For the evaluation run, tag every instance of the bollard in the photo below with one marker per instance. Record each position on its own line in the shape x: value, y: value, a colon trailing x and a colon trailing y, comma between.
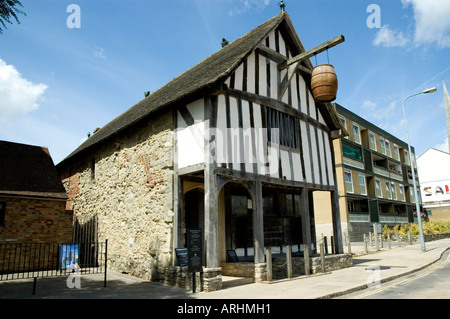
x: 389, y: 240
x: 269, y: 263
x: 332, y: 245
x: 375, y: 237
x: 365, y: 243
x: 306, y: 254
x: 322, y: 256
x: 34, y: 285
x: 289, y: 260
x: 409, y: 238
x: 398, y: 239
x: 349, y: 244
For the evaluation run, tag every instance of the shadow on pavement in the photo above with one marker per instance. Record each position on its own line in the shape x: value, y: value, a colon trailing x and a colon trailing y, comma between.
x: 91, y: 287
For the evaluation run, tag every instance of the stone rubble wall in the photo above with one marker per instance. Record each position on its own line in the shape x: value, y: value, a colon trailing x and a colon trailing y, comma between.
x: 279, y: 267
x: 332, y: 262
x: 128, y: 184
x: 209, y: 280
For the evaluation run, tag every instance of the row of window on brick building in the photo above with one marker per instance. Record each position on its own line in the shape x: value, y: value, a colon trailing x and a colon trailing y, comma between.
x: 383, y: 146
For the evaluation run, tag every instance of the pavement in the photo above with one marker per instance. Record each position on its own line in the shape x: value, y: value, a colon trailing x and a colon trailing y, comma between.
x: 368, y: 270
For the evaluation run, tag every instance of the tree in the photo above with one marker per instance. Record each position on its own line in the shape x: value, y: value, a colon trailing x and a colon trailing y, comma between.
x: 8, y: 11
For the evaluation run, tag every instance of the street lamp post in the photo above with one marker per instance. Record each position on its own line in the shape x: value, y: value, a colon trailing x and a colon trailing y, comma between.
x: 416, y: 197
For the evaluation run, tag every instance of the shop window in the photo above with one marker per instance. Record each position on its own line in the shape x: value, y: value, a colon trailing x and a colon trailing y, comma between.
x: 282, y: 218
x: 268, y: 204
x: 241, y: 222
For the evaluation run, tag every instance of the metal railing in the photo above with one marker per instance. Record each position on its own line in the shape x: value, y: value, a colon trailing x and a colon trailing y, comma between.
x: 32, y: 260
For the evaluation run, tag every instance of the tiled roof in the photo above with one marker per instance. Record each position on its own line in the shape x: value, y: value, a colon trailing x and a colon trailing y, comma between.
x: 27, y: 170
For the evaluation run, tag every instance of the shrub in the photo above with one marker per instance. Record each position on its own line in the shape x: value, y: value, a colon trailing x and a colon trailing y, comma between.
x: 429, y: 227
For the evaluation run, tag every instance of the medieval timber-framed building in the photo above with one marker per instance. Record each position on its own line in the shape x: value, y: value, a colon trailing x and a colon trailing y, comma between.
x: 235, y: 146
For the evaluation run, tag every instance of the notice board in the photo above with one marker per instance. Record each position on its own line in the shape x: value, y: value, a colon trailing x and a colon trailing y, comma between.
x: 182, y: 256
x: 195, y: 249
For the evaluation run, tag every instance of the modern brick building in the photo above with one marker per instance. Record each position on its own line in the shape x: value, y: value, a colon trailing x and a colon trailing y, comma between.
x: 32, y: 197
x: 374, y: 178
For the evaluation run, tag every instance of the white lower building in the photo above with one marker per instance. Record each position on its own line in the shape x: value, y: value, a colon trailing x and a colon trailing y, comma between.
x: 434, y: 175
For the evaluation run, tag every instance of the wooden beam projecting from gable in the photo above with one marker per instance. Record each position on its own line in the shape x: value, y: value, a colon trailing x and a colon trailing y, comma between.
x: 318, y: 49
x: 271, y: 54
x: 279, y: 58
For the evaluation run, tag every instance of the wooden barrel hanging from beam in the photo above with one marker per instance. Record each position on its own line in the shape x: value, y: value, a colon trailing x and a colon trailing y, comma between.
x: 324, y: 83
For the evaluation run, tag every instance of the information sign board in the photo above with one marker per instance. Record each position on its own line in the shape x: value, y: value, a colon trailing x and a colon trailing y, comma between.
x: 195, y: 249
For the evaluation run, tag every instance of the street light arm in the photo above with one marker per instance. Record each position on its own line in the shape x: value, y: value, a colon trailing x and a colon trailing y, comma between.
x: 411, y: 96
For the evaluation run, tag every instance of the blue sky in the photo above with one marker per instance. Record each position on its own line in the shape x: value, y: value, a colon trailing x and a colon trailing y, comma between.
x: 58, y: 83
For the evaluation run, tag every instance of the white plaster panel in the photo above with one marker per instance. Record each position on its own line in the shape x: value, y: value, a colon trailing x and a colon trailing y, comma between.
x: 306, y: 156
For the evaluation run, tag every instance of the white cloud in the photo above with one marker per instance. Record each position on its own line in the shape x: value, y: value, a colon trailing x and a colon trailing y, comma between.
x: 443, y: 146
x: 389, y: 38
x: 432, y: 21
x: 382, y: 113
x: 18, y: 95
x: 100, y: 53
x: 369, y: 105
x: 247, y: 5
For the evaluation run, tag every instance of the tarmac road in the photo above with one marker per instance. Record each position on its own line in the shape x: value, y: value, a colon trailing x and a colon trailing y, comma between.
x: 432, y: 282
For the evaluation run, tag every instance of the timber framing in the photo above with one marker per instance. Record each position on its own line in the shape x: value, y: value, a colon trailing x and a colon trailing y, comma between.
x: 275, y: 104
x: 318, y: 49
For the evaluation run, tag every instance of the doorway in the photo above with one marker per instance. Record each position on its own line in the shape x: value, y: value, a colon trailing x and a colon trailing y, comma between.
x: 239, y: 221
x: 194, y: 209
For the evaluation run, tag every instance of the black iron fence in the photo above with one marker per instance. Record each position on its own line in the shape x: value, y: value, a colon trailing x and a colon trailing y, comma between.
x: 32, y: 260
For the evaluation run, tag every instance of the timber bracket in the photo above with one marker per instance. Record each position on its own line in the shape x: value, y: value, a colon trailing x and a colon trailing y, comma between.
x: 306, y: 55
